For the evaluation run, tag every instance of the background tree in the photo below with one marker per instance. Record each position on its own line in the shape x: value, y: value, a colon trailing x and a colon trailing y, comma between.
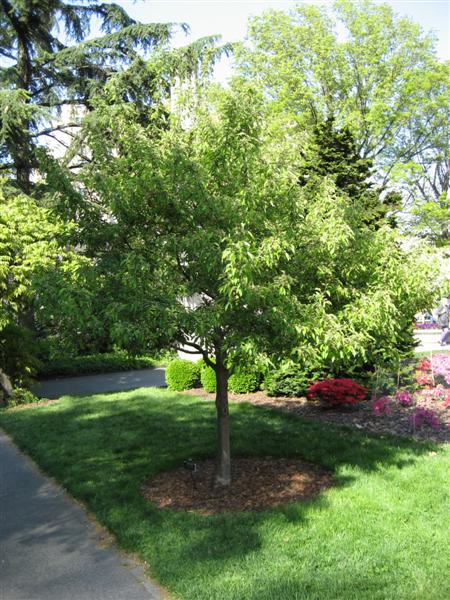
x: 211, y: 210
x: 332, y: 152
x: 32, y: 241
x: 42, y: 73
x: 425, y: 178
x: 355, y: 62
x: 50, y: 75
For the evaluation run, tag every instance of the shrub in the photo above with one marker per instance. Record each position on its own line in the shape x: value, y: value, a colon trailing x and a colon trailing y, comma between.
x: 182, y: 375
x: 425, y: 416
x: 18, y: 353
x: 242, y: 382
x: 337, y: 391
x: 20, y: 396
x: 287, y: 381
x: 208, y: 379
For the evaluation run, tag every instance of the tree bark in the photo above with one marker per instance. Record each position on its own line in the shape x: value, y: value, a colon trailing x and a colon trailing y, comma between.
x: 5, y: 385
x: 223, y: 470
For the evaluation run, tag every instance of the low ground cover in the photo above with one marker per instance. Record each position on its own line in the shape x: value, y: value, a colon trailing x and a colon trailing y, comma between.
x: 381, y: 532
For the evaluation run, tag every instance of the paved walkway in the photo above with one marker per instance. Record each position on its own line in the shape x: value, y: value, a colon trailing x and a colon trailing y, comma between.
x: 429, y: 340
x: 49, y: 550
x: 97, y: 384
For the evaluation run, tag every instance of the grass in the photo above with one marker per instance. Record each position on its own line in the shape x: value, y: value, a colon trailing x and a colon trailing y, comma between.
x: 381, y: 533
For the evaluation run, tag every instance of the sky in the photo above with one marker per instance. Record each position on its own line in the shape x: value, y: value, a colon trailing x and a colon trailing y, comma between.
x: 228, y: 18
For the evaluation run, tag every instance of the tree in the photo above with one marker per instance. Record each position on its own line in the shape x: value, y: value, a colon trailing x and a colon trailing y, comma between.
x: 31, y: 242
x: 43, y: 74
x: 50, y: 75
x: 211, y: 210
x: 332, y: 152
x: 425, y: 178
x: 355, y: 62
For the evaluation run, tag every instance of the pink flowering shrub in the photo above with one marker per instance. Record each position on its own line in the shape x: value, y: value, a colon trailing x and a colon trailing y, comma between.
x: 424, y: 416
x: 404, y: 397
x: 382, y: 406
x: 440, y: 363
x: 424, y: 405
x: 423, y: 378
x: 447, y: 400
x: 439, y: 392
x: 424, y: 365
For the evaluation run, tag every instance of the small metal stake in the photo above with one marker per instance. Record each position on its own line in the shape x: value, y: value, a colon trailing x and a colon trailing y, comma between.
x: 191, y: 466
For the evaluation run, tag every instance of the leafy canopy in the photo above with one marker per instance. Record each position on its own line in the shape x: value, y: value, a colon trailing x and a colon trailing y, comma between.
x: 212, y: 211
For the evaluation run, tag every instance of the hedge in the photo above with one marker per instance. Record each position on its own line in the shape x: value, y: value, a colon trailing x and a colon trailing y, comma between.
x: 95, y: 363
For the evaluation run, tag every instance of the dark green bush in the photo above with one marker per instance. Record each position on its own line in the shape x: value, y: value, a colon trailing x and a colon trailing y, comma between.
x: 208, y: 379
x: 287, y: 381
x: 95, y: 363
x: 239, y: 382
x: 20, y: 396
x: 18, y: 353
x: 182, y: 375
x: 242, y: 382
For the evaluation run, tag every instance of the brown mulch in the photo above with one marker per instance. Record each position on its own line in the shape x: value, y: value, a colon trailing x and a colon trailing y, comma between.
x: 360, y: 416
x: 258, y: 484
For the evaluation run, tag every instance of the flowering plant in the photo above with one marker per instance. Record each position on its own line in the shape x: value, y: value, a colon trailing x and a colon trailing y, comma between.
x: 425, y: 415
x: 382, y: 405
x: 423, y: 378
x: 447, y: 400
x: 337, y: 391
x: 404, y: 397
x: 425, y: 326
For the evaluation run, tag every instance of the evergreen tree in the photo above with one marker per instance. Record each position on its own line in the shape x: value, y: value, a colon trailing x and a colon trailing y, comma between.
x: 332, y: 152
x: 42, y: 72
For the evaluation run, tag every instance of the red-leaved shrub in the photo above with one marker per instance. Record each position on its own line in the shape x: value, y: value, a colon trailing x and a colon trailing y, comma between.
x: 337, y: 391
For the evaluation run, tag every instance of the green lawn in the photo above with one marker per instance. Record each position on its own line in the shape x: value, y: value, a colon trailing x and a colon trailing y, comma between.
x: 382, y: 532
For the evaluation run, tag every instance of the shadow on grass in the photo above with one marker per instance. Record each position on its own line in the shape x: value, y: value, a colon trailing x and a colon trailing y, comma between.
x: 102, y: 449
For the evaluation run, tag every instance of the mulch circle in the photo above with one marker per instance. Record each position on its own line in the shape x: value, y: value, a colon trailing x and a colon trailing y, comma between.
x: 257, y: 484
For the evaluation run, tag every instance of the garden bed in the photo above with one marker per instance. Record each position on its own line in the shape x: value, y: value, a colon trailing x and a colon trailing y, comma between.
x: 360, y: 416
x: 258, y: 484
x: 412, y: 400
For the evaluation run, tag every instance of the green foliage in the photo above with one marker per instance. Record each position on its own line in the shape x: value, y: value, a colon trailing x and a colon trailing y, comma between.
x: 287, y: 380
x: 30, y: 243
x: 368, y: 68
x: 33, y: 245
x: 208, y: 379
x: 44, y: 72
x: 425, y: 177
x: 332, y: 152
x: 214, y: 212
x: 20, y: 396
x: 242, y: 381
x: 182, y: 375
x: 19, y: 353
x: 95, y: 363
x: 229, y: 255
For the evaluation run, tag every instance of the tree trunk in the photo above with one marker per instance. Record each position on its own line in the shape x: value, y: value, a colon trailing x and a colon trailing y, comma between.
x: 5, y: 385
x: 223, y: 471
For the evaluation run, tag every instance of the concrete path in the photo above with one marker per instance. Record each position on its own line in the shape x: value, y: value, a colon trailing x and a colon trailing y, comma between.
x: 96, y: 384
x: 49, y: 550
x: 429, y: 340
